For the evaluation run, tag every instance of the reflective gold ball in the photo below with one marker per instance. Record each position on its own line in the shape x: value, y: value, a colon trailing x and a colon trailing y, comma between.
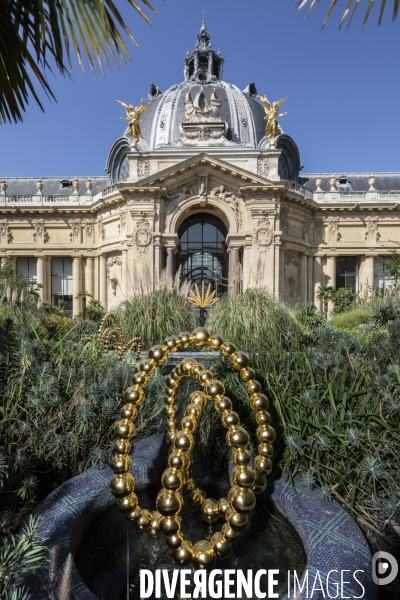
x: 221, y: 547
x: 184, y: 339
x: 129, y: 411
x: 122, y: 485
x: 247, y: 374
x: 127, y: 504
x: 237, y: 438
x: 236, y: 521
x: 253, y: 387
x: 205, y: 377
x: 223, y: 405
x: 259, y: 402
x: 263, y: 417
x: 230, y: 419
x: 122, y: 446
x: 198, y: 399
x: 120, y: 463
x: 223, y: 505
x: 168, y: 503
x: 183, y: 441
x: 243, y: 476
x: 144, y: 522
x: 203, y: 556
x: 228, y: 533
x: 227, y: 349
x: 188, y: 424
x: 134, y: 396
x: 124, y: 429
x: 174, y: 541
x: 260, y: 483
x: 265, y: 433
x: 139, y: 378
x: 242, y: 457
x: 171, y: 480
x: 170, y: 525
x: 215, y: 342
x: 214, y: 388
x: 148, y: 366
x: 155, y: 531
x: 266, y: 449
x: 183, y: 555
x: 172, y: 343
x: 209, y: 511
x: 176, y: 460
x: 200, y: 336
x: 242, y: 500
x: 157, y: 354
x: 239, y: 360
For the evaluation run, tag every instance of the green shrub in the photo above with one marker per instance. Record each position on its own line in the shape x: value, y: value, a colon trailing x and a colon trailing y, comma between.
x: 385, y: 311
x: 343, y: 299
x: 351, y: 319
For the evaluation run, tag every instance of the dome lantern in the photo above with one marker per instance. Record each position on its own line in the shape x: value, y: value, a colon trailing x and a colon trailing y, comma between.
x: 203, y: 65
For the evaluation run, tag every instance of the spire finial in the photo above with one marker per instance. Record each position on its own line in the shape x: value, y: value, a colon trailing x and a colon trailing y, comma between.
x: 204, y: 16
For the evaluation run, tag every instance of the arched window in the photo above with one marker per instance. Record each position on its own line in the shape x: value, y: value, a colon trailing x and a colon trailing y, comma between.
x: 202, y: 252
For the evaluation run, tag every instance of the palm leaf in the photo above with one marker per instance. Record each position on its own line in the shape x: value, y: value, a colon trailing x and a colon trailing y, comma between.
x: 37, y: 33
x: 356, y: 3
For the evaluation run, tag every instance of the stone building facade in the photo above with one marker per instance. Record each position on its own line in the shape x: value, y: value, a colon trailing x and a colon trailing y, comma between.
x: 204, y: 196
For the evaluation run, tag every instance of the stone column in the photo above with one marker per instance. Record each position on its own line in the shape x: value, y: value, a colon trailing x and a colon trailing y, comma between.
x: 89, y: 276
x: 282, y: 273
x: 303, y: 277
x: 40, y: 276
x: 317, y: 280
x: 170, y: 266
x: 48, y: 279
x: 310, y: 269
x: 103, y: 280
x: 125, y: 272
x: 96, y: 278
x: 330, y: 276
x: 368, y: 283
x: 76, y: 285
x: 234, y: 282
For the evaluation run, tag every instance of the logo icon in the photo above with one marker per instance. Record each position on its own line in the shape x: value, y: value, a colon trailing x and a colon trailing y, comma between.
x: 384, y: 568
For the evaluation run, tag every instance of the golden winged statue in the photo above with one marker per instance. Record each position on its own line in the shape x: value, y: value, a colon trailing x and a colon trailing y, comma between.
x: 271, y: 113
x: 133, y: 116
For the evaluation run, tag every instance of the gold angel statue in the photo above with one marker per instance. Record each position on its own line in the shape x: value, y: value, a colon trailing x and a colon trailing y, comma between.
x: 271, y: 113
x: 133, y: 116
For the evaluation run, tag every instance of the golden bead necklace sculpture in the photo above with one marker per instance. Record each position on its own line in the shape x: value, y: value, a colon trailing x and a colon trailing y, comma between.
x: 247, y: 480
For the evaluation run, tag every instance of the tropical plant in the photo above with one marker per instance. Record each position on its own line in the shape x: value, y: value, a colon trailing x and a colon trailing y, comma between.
x: 343, y: 300
x: 84, y: 294
x: 348, y: 13
x: 35, y: 37
x: 385, y: 311
x: 95, y: 310
x: 326, y: 294
x: 308, y: 314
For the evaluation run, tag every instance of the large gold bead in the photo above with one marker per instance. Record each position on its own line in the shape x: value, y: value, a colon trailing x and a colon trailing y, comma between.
x: 266, y: 449
x: 223, y: 405
x: 241, y: 500
x: 198, y: 497
x: 183, y: 441
x: 223, y: 505
x: 265, y: 433
x: 215, y: 342
x: 197, y: 369
x: 236, y: 521
x: 200, y: 336
x: 171, y: 424
x: 170, y: 411
x: 144, y: 522
x: 129, y: 411
x: 239, y: 360
x: 228, y: 533
x: 127, y: 504
x: 133, y: 396
x: 198, y: 399
x: 205, y: 377
x: 193, y: 411
x: 176, y: 460
x: 148, y: 366
x: 174, y: 541
x: 171, y: 480
x: 263, y: 418
x: 230, y: 420
x: 221, y: 547
x: 203, y: 556
x: 259, y: 402
x: 188, y: 424
x: 253, y: 387
x: 183, y: 555
x: 120, y: 463
x: 263, y: 464
x: 209, y: 511
x: 172, y: 343
x: 122, y: 485
x: 214, y: 388
x: 139, y: 378
x: 158, y: 354
x: 237, y: 438
x: 124, y: 429
x: 170, y: 399
x: 170, y: 525
x: 172, y: 382
x: 134, y: 514
x: 122, y: 446
x: 247, y: 374
x: 243, y: 476
x: 186, y: 366
x: 260, y: 483
x: 155, y: 531
x: 170, y: 391
x: 169, y: 436
x: 242, y: 457
x: 228, y: 348
x: 168, y: 503
x: 184, y: 339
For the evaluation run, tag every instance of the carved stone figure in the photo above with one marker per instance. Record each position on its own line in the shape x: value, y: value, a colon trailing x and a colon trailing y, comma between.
x: 39, y: 229
x: 89, y: 228
x: 263, y: 166
x: 3, y: 228
x: 101, y: 229
x: 334, y: 229
x: 271, y: 113
x: 143, y: 168
x: 371, y: 229
x: 133, y: 116
x: 75, y: 225
x: 263, y: 235
x: 142, y: 235
x: 203, y: 187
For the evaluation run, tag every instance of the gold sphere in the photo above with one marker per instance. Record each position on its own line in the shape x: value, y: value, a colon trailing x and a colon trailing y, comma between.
x: 230, y: 419
x: 223, y: 405
x: 260, y: 483
x: 186, y: 366
x: 183, y: 555
x: 253, y: 387
x: 198, y: 399
x: 197, y: 369
x: 215, y: 342
x: 259, y: 402
x: 148, y: 366
x: 236, y: 521
x: 171, y: 480
x: 169, y: 436
x: 239, y: 360
x: 183, y: 441
x: 193, y: 411
x: 263, y: 464
x: 228, y: 533
x: 214, y: 388
x: 122, y: 485
x: 184, y: 339
x: 266, y: 449
x: 170, y: 411
x: 170, y: 525
x: 247, y: 374
x: 168, y: 503
x: 120, y: 463
x: 242, y: 457
x: 198, y: 497
x: 172, y: 382
x: 221, y: 547
x: 205, y: 377
x: 223, y: 505
x: 134, y: 396
x: 263, y: 418
x: 243, y: 476
x: 241, y: 500
x: 203, y: 556
x: 139, y: 378
x: 127, y: 504
x: 209, y: 511
x: 265, y: 433
x: 176, y: 460
x: 155, y: 530
x: 200, y: 336
x: 122, y: 446
x: 172, y: 343
x: 237, y: 438
x: 134, y: 515
x: 188, y: 424
x: 129, y: 411
x: 157, y: 354
x: 169, y: 399
x: 124, y: 429
x: 174, y: 541
x: 171, y: 424
x: 144, y: 522
x: 227, y: 349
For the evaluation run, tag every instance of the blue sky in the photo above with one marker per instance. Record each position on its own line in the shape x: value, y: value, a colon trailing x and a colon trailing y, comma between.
x: 343, y: 87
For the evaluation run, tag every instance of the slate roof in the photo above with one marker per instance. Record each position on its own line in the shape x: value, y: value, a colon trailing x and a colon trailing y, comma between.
x: 26, y: 186
x: 356, y: 182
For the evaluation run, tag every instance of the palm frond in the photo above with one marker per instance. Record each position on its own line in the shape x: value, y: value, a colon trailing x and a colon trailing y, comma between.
x: 351, y: 4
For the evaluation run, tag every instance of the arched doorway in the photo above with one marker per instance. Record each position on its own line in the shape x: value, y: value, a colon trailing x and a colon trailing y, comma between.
x: 202, y: 252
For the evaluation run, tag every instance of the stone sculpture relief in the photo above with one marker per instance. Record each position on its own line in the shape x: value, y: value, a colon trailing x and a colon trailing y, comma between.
x: 333, y: 224
x: 263, y: 234
x: 143, y: 168
x: 142, y: 235
x: 371, y: 229
x: 39, y: 232
x: 263, y: 166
